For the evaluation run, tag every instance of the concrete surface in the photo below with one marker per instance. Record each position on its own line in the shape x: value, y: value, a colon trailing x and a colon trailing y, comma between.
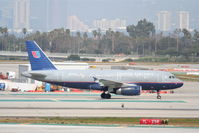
x: 183, y: 103
x: 89, y: 129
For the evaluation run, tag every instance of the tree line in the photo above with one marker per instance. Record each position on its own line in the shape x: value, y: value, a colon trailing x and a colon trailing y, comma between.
x: 141, y: 39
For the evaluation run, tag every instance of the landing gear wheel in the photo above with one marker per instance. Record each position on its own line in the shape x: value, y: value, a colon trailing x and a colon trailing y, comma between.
x: 108, y: 96
x: 158, y: 97
x: 105, y: 96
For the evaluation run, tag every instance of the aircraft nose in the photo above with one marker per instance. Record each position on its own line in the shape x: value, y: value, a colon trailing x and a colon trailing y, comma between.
x: 180, y: 84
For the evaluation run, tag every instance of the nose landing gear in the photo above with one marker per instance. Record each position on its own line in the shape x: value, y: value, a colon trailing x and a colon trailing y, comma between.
x: 158, y: 94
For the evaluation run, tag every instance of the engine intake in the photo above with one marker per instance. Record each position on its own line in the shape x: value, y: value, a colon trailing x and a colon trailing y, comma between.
x: 129, y: 91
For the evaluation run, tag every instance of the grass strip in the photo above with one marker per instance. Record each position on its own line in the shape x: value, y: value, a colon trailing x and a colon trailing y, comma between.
x: 178, y: 122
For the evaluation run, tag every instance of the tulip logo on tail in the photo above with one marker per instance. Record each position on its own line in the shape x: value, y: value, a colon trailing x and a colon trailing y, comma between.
x: 36, y: 54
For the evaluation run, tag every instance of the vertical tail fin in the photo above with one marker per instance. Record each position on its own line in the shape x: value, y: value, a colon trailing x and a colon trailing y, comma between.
x: 38, y: 59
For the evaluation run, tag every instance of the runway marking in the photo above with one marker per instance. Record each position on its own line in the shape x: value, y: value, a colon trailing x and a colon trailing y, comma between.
x: 151, y: 101
x: 56, y: 100
x: 155, y: 126
x: 52, y: 94
x: 99, y: 108
x: 26, y: 100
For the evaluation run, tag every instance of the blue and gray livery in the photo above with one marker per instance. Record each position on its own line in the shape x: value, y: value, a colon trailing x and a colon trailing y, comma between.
x: 121, y: 82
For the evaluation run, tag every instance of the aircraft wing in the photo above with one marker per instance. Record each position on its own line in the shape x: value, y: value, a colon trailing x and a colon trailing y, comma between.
x: 111, y: 84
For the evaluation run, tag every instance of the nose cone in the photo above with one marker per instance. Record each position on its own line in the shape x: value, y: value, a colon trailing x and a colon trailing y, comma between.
x: 180, y: 84
x: 26, y: 74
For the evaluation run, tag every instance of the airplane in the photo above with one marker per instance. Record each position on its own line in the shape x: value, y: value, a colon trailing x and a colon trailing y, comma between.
x: 119, y: 82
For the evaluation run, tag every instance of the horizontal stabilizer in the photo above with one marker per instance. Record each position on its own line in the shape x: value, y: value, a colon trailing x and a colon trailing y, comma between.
x: 37, y: 75
x: 34, y: 75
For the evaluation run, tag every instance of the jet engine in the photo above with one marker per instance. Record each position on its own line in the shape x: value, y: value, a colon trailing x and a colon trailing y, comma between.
x: 129, y: 91
x: 96, y: 87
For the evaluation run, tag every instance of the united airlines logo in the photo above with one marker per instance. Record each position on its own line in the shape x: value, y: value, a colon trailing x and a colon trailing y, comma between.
x: 36, y: 54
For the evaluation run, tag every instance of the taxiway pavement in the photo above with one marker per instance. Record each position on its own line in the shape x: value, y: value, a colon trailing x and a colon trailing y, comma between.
x: 183, y: 103
x: 13, y: 128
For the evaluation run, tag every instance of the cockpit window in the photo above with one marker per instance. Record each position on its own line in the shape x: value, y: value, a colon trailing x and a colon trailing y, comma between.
x: 171, y: 77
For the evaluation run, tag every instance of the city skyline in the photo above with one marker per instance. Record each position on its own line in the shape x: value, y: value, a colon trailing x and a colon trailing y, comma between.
x: 183, y: 20
x: 46, y: 15
x: 164, y: 21
x: 105, y: 24
x: 21, y: 15
x: 74, y: 24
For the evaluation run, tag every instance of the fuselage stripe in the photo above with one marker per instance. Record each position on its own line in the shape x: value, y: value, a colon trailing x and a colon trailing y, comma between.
x: 123, y: 82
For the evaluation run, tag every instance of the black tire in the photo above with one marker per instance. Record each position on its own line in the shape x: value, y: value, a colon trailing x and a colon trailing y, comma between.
x: 158, y: 97
x: 103, y: 95
x: 108, y: 96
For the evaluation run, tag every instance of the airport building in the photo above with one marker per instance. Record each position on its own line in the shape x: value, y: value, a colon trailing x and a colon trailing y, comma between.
x: 21, y: 15
x: 183, y: 20
x: 164, y: 20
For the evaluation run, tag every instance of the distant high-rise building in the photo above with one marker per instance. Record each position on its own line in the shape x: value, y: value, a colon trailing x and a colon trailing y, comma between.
x: 56, y: 14
x: 74, y: 24
x: 164, y: 20
x: 0, y: 14
x: 21, y: 15
x: 115, y: 24
x: 183, y: 20
x: 6, y: 14
x: 1, y: 18
x: 102, y: 24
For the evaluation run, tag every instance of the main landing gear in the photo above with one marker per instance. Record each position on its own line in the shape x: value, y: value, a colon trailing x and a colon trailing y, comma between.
x: 158, y: 94
x: 105, y: 95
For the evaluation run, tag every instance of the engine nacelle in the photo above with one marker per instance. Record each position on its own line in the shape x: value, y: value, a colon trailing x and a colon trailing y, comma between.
x: 96, y: 87
x: 129, y: 91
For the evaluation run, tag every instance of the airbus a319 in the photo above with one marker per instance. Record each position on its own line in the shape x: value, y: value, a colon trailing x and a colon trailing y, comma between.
x: 121, y: 82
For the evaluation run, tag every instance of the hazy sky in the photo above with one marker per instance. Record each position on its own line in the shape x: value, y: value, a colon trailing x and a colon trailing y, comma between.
x: 132, y: 10
x: 88, y: 10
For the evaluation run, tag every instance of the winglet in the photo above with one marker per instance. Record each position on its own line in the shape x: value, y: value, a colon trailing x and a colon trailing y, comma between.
x: 38, y: 59
x: 95, y: 79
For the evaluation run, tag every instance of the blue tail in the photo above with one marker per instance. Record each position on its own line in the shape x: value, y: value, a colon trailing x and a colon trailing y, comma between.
x: 38, y: 59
